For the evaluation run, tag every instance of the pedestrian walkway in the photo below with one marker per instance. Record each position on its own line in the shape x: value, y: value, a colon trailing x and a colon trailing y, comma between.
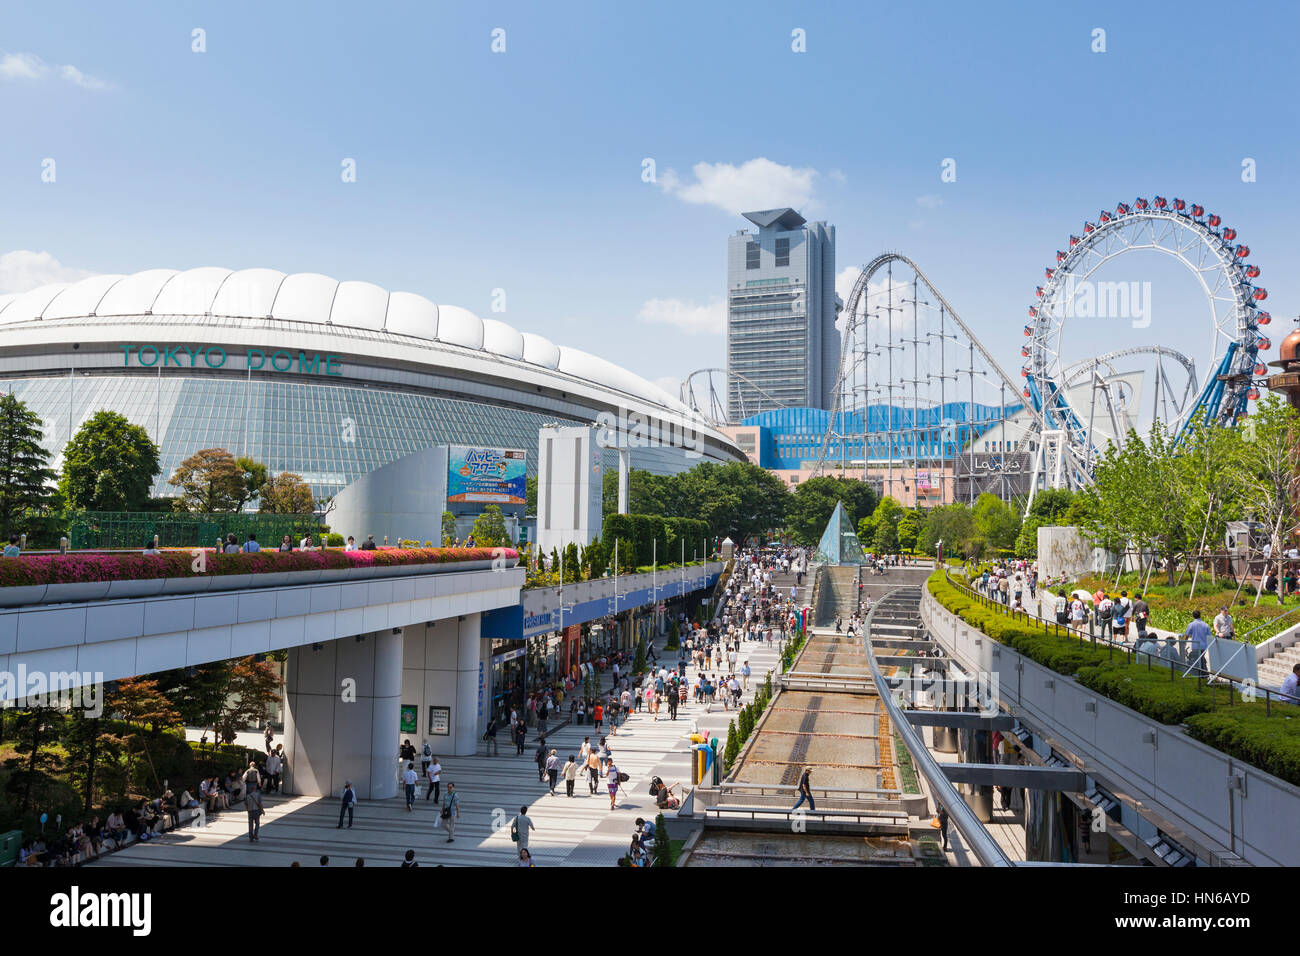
x: 578, y: 831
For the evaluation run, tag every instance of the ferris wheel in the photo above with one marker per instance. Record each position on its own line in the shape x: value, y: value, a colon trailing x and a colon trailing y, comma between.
x: 1212, y: 253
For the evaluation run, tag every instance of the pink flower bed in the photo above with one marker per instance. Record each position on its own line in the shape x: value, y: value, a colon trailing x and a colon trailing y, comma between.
x: 81, y: 568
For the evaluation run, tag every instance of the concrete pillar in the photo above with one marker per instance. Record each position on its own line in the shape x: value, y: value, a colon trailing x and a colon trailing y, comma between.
x: 624, y: 465
x: 977, y: 747
x: 467, y: 719
x: 342, y: 714
x: 442, y: 669
x: 1044, y: 841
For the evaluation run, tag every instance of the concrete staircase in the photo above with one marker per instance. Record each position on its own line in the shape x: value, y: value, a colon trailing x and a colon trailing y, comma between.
x: 1274, y: 670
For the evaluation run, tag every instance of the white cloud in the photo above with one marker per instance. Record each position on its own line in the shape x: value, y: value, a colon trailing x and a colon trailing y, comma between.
x: 929, y: 201
x: 22, y: 66
x: 755, y: 184
x: 75, y: 76
x: 837, y: 176
x: 22, y: 270
x: 688, y: 317
x: 29, y: 66
x: 877, y: 298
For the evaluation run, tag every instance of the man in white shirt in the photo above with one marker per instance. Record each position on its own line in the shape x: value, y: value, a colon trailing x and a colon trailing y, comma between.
x: 731, y: 661
x: 1223, y: 624
x: 410, y: 778
x: 306, y: 544
x: 1291, y: 686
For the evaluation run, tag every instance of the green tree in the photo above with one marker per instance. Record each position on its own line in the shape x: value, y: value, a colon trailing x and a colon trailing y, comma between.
x: 996, y: 523
x: 530, y: 495
x: 952, y: 524
x: 448, y: 529
x: 25, y: 475
x: 813, y: 501
x: 489, y: 529
x: 147, y: 712
x: 108, y: 465
x: 882, y: 527
x: 1212, y: 468
x: 886, y: 538
x: 909, y: 528
x: 255, y: 476
x: 732, y: 749
x: 210, y: 482
x: 286, y: 494
x: 1272, y: 476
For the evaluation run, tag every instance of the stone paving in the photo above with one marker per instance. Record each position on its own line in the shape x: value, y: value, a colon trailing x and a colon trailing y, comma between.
x: 581, y: 830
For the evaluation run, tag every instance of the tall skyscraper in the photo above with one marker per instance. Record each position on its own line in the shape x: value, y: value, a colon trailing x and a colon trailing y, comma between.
x: 781, y: 308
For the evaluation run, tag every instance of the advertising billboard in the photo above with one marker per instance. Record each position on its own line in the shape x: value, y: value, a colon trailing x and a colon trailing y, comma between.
x: 485, y: 475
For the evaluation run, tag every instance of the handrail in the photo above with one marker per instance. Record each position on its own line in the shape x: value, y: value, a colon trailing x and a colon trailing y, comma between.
x: 1249, y: 689
x: 986, y: 848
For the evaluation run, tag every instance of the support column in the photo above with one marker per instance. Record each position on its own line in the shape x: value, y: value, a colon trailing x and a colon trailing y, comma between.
x: 977, y: 747
x: 342, y: 715
x: 1044, y: 841
x: 386, y: 714
x: 624, y: 465
x: 466, y: 724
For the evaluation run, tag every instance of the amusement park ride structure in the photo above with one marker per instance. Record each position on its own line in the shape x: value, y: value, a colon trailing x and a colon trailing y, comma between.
x: 1072, y: 408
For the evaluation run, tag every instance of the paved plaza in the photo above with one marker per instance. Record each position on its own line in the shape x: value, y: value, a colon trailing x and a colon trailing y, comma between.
x: 579, y: 831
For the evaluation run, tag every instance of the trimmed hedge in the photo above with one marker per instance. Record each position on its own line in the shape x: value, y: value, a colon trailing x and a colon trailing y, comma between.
x: 1241, y: 730
x: 1246, y: 732
x: 78, y: 568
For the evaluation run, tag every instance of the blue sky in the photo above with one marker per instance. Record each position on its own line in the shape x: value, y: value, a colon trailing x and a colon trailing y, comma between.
x: 522, y: 170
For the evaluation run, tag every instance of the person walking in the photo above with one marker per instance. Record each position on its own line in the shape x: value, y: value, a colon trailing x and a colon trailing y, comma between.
x: 273, y: 766
x: 520, y: 827
x: 434, y: 776
x: 349, y: 803
x: 598, y: 716
x: 805, y: 791
x: 451, y: 811
x: 570, y: 776
x: 426, y: 758
x: 253, y: 804
x: 539, y: 757
x: 552, y: 770
x: 410, y: 778
x: 744, y: 676
x: 943, y: 824
x: 521, y: 736
x: 490, y: 735
x: 593, y: 769
x: 612, y: 781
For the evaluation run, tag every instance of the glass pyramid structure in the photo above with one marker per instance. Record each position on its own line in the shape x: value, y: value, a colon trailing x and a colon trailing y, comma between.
x: 839, y: 543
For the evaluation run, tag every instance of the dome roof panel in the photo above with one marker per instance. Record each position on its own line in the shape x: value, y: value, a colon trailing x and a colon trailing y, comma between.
x: 134, y: 294
x: 190, y: 292
x: 411, y: 314
x: 540, y: 350
x: 304, y: 297
x: 30, y: 305
x: 457, y: 326
x: 502, y: 339
x: 248, y: 293
x: 359, y: 305
x: 80, y: 298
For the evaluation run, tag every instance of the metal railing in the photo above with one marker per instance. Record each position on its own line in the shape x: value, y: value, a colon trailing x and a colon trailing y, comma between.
x: 1249, y: 689
x: 985, y: 848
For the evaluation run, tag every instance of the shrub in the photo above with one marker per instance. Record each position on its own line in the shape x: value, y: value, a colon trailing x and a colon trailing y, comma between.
x: 79, y: 568
x: 732, y: 750
x: 1248, y: 733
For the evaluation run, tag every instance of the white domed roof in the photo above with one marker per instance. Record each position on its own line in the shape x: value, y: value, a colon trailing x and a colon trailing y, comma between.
x: 127, y: 295
x: 309, y: 297
x: 361, y: 305
x: 30, y: 305
x: 303, y: 297
x: 411, y: 314
x: 248, y: 292
x: 501, y: 339
x: 457, y: 326
x: 186, y: 293
x: 80, y: 298
x: 540, y: 350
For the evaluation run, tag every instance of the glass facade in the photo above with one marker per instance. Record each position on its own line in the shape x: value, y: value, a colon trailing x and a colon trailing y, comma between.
x: 329, y: 434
